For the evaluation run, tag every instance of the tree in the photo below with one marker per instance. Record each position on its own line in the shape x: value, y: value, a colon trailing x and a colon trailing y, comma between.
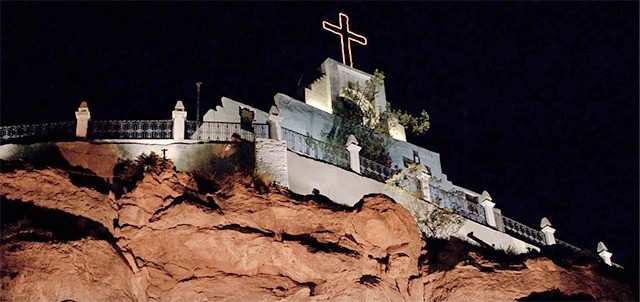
x: 435, y: 221
x: 438, y: 222
x: 356, y: 114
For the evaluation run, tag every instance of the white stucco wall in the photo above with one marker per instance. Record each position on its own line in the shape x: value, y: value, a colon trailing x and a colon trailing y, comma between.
x: 347, y: 187
x: 229, y: 112
x: 498, y: 240
x: 271, y: 159
x: 339, y: 75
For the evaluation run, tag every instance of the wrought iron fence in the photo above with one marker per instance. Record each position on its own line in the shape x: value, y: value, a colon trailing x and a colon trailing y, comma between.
x: 457, y: 202
x: 375, y: 170
x: 312, y: 147
x: 222, y: 131
x: 517, y: 228
x: 47, y: 131
x: 136, y: 129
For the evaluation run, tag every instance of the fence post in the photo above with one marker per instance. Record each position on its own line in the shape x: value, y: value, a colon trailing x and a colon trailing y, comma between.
x: 424, y: 176
x: 487, y: 203
x: 354, y: 153
x: 604, y: 253
x: 275, y: 123
x: 82, y: 120
x: 179, y: 118
x: 548, y: 231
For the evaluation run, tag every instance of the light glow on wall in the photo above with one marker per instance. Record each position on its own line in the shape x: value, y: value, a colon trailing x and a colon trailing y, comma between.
x: 346, y: 36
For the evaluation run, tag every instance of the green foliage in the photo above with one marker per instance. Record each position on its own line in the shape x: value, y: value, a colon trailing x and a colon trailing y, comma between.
x: 418, y: 125
x: 439, y: 222
x: 356, y: 114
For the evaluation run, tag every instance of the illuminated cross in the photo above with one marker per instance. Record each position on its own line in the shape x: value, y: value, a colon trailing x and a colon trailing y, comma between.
x: 346, y: 36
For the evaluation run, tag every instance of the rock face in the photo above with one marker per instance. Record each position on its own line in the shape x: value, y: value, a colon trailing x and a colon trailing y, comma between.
x: 167, y: 241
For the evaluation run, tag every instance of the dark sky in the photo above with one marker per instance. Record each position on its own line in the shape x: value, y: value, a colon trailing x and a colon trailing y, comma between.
x: 535, y: 102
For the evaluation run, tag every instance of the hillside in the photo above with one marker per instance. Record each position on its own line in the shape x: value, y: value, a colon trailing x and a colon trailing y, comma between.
x: 174, y: 236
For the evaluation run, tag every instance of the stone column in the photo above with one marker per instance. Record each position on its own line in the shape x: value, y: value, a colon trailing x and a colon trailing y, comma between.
x: 424, y: 176
x: 275, y: 123
x: 82, y: 120
x: 179, y: 118
x: 548, y: 231
x: 604, y: 253
x: 354, y: 153
x: 271, y: 161
x: 487, y: 203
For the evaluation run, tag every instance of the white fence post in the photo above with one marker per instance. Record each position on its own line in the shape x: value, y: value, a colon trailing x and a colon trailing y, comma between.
x: 275, y: 123
x: 604, y: 253
x: 548, y: 231
x: 82, y: 120
x: 487, y: 203
x: 424, y: 176
x: 354, y: 153
x: 179, y: 118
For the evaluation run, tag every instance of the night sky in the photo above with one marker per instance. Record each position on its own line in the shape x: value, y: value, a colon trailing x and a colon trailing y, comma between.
x: 535, y: 102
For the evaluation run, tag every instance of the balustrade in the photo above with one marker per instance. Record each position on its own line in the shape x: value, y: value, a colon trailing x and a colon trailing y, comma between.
x: 130, y: 129
x: 314, y: 148
x: 517, y: 228
x: 374, y: 170
x: 222, y: 131
x: 46, y: 131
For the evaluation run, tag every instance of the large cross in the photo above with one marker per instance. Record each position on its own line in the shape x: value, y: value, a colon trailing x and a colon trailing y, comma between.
x: 346, y: 36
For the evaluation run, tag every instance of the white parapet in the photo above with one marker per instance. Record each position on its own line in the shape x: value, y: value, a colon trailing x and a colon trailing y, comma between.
x: 604, y: 253
x: 271, y: 160
x: 488, y: 205
x: 275, y: 123
x: 82, y: 120
x: 179, y: 118
x: 354, y: 153
x: 548, y: 231
x: 424, y: 176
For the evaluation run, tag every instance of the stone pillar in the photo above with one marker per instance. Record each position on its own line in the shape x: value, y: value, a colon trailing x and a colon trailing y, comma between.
x: 82, y: 120
x: 275, y: 123
x: 487, y: 203
x: 424, y: 176
x: 179, y: 118
x: 271, y: 161
x: 604, y: 253
x: 354, y: 153
x: 548, y: 231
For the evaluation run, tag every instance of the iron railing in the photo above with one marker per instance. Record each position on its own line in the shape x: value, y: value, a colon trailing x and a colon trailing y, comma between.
x: 223, y: 131
x: 457, y: 202
x: 375, y: 170
x: 314, y: 148
x: 517, y: 228
x: 46, y: 131
x: 130, y: 129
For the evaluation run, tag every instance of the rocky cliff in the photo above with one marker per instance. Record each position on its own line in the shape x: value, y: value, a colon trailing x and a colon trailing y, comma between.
x: 170, y: 238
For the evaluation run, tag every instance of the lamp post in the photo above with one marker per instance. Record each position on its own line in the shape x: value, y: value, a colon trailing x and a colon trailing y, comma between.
x: 198, y: 85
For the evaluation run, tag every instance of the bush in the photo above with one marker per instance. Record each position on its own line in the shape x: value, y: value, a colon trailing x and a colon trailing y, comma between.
x: 127, y: 173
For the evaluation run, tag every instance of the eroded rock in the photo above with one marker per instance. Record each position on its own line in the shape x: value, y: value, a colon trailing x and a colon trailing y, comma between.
x: 172, y: 243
